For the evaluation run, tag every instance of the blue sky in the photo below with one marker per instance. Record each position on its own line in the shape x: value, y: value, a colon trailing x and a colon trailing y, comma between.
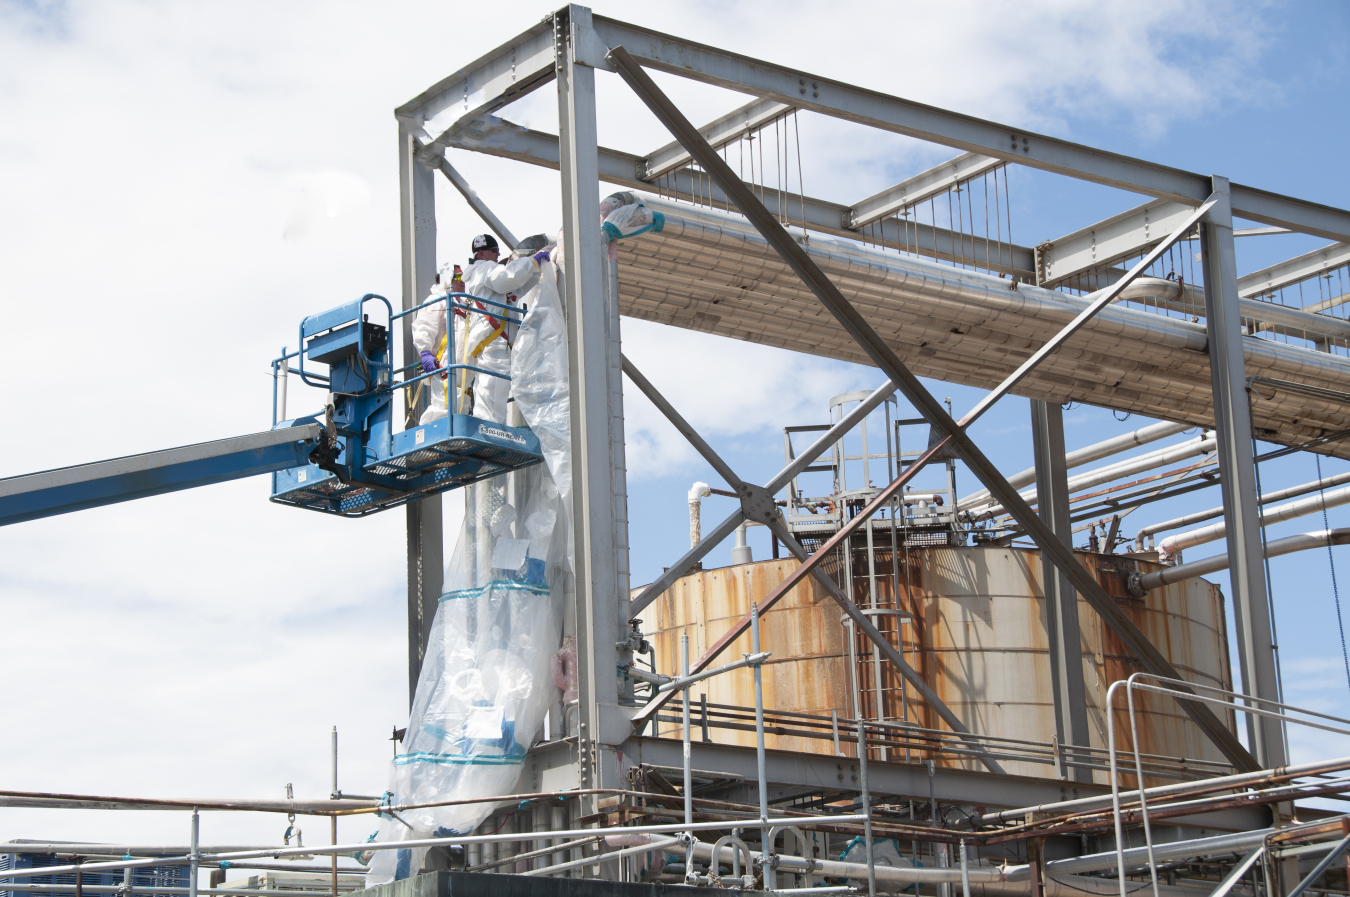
x: 182, y: 183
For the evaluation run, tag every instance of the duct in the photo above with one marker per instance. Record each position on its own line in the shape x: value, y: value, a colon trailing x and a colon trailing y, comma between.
x: 1141, y: 583
x: 710, y: 271
x: 1190, y: 299
x: 1201, y: 445
x: 1201, y: 516
x: 1096, y: 452
x: 1172, y: 545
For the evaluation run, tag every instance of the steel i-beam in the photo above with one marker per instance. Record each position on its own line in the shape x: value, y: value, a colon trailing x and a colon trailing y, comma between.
x: 426, y: 541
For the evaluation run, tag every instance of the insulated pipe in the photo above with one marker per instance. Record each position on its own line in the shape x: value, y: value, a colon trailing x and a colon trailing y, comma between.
x: 1096, y: 452
x: 1201, y: 445
x: 924, y: 303
x: 1169, y: 547
x: 697, y: 493
x: 1201, y: 516
x: 1141, y: 583
x: 1169, y: 293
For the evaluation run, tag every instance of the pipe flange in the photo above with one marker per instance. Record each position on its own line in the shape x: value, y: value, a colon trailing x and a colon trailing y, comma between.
x: 1135, y: 586
x: 757, y: 504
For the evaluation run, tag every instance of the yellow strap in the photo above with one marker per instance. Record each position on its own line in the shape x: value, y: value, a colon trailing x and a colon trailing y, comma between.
x: 478, y: 350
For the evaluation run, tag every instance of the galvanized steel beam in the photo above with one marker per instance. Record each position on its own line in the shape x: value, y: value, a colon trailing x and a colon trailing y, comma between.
x: 499, y: 77
x: 710, y: 65
x: 1317, y: 263
x: 919, y: 188
x: 600, y: 608
x: 1061, y: 601
x: 730, y: 127
x: 1119, y: 237
x: 1237, y: 475
x: 426, y: 542
x: 885, y: 358
x: 497, y: 137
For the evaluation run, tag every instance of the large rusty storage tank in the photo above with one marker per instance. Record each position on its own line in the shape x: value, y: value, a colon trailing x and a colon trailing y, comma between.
x: 972, y: 622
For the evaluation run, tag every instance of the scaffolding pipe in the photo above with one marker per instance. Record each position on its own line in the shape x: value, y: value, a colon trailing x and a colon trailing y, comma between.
x: 1141, y: 583
x: 1171, y: 546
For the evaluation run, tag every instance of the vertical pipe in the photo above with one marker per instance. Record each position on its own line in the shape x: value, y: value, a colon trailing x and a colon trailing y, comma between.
x: 867, y: 810
x: 336, y: 795
x: 764, y: 846
x: 283, y: 379
x: 965, y: 871
x: 688, y: 771
x: 834, y: 730
x: 939, y: 850
x: 703, y: 714
x: 195, y: 855
x: 688, y: 764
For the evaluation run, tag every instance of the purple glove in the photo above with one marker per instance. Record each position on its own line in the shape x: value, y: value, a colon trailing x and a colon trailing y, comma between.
x: 428, y: 362
x: 541, y: 256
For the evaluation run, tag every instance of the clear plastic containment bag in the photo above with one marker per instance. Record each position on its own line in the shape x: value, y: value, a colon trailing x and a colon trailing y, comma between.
x: 487, y: 677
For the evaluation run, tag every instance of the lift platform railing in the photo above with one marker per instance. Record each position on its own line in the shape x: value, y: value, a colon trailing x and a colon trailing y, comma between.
x: 456, y: 304
x: 361, y: 465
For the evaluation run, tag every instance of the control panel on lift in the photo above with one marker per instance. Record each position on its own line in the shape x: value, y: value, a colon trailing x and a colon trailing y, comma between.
x: 360, y: 465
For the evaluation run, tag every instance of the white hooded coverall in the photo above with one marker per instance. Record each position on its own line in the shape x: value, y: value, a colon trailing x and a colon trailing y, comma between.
x: 482, y: 339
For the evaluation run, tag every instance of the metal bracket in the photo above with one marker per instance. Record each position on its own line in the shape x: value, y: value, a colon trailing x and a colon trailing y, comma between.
x: 757, y: 504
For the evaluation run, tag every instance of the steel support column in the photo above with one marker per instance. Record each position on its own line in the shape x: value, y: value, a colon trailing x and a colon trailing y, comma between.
x: 599, y: 605
x: 417, y: 223
x: 1237, y: 474
x: 1061, y: 601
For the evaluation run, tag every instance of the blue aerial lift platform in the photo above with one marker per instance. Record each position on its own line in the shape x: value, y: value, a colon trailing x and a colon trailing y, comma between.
x: 344, y: 459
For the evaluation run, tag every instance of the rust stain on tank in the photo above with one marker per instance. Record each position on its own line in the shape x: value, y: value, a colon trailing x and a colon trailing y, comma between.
x: 976, y: 633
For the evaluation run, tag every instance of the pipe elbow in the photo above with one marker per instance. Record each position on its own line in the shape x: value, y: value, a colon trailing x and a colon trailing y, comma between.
x: 699, y: 491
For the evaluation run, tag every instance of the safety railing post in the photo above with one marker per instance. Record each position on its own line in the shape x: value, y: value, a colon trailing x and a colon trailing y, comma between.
x: 867, y: 809
x: 765, y: 848
x: 194, y: 855
x: 690, y: 876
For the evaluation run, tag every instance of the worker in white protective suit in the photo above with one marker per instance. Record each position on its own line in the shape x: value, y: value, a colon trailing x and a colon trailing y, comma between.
x: 428, y: 331
x: 487, y: 338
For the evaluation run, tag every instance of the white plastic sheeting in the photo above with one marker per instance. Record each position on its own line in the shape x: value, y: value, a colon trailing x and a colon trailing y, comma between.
x: 487, y: 678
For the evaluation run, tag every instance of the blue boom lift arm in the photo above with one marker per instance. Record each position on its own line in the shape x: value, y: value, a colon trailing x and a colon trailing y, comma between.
x: 344, y: 460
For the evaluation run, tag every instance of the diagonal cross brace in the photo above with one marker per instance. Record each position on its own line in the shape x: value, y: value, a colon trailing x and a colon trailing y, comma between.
x: 757, y: 503
x: 885, y: 358
x: 784, y: 476
x: 889, y: 651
